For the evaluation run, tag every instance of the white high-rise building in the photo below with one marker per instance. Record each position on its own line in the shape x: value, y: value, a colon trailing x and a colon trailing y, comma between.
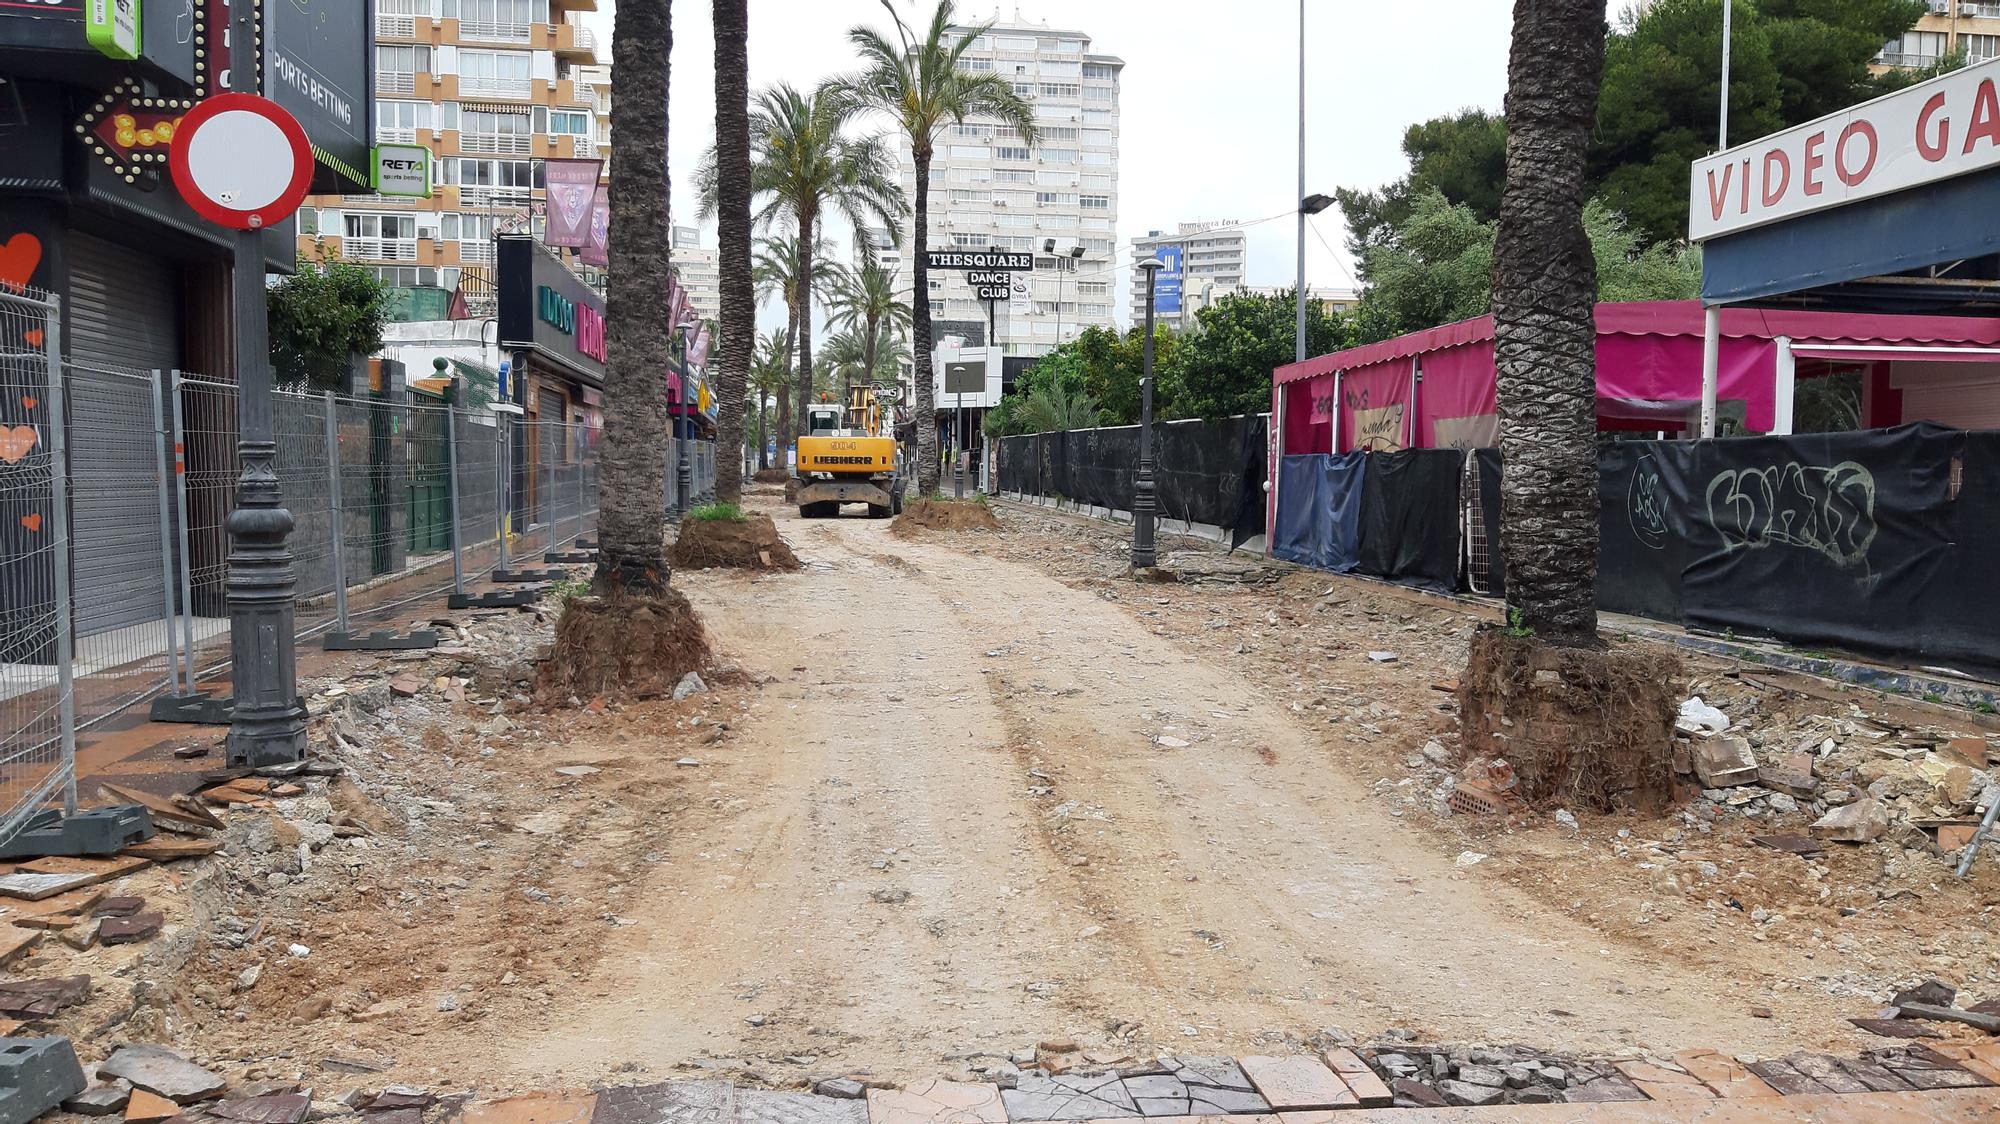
x: 700, y: 271
x: 989, y: 188
x: 1214, y: 258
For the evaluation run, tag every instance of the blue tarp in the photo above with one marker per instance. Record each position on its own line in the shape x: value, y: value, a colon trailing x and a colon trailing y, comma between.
x: 1319, y: 510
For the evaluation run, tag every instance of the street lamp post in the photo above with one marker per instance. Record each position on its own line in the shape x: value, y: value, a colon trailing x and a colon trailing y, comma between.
x: 267, y: 726
x: 1143, y: 502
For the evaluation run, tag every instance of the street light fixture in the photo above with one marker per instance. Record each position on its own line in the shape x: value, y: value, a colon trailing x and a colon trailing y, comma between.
x: 1143, y: 502
x: 1315, y: 203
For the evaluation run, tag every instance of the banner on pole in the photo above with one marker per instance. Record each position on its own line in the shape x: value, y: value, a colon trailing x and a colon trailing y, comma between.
x: 572, y: 186
x: 597, y: 250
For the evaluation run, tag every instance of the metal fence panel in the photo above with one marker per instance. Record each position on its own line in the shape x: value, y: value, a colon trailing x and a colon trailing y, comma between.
x: 37, y: 740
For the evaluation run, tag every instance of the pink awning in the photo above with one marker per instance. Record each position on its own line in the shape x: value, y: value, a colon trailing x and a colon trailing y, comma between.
x: 1858, y: 354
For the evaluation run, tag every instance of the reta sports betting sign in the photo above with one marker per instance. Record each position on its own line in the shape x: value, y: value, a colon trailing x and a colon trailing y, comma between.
x: 1942, y: 128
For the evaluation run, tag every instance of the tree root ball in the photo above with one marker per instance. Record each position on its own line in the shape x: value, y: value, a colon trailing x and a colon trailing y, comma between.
x: 749, y: 543
x: 771, y: 476
x: 623, y: 646
x: 944, y: 515
x: 1583, y: 728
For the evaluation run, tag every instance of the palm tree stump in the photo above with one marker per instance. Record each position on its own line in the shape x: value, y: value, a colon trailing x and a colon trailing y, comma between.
x: 1579, y: 723
x: 1582, y: 728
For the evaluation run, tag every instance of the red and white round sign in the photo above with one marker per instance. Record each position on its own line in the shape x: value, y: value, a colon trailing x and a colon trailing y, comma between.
x: 242, y: 161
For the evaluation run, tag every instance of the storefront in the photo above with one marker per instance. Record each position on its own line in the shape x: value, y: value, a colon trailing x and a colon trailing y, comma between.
x: 552, y: 339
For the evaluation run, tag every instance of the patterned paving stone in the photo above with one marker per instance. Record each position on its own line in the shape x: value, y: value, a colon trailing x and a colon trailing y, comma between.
x: 759, y: 1106
x: 534, y: 1108
x: 1298, y: 1082
x: 1968, y: 1106
x: 937, y: 1102
x: 1168, y: 1095
x: 1725, y: 1075
x: 1359, y: 1078
x: 1214, y: 1073
x: 1069, y: 1098
x: 669, y: 1102
x: 1662, y: 1083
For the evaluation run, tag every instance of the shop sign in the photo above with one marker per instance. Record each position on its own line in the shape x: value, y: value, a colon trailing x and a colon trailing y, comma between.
x: 112, y: 26
x: 1932, y: 131
x: 402, y: 171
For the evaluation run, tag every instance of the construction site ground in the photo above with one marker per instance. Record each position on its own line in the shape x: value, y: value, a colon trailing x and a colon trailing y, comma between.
x: 951, y: 794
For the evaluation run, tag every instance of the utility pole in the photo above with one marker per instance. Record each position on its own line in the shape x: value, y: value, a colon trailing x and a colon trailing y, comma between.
x: 267, y: 725
x: 1300, y: 345
x: 1144, y: 503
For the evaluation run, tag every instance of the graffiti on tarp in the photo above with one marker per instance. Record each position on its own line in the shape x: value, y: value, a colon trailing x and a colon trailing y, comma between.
x: 1827, y: 510
x: 1645, y: 503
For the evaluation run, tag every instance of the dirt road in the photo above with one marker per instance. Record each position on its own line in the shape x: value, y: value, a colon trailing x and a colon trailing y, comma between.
x: 974, y: 807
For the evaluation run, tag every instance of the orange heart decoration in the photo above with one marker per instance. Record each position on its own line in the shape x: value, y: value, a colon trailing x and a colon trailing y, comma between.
x: 30, y: 403
x: 34, y: 337
x: 16, y: 441
x: 19, y: 259
x: 33, y: 522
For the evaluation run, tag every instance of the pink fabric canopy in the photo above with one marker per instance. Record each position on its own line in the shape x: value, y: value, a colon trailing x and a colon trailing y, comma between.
x: 1648, y: 355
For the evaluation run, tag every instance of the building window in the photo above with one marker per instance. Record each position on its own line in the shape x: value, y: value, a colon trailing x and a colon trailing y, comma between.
x: 398, y: 121
x: 562, y: 122
x: 1094, y: 202
x: 969, y: 241
x: 1070, y: 46
x: 1914, y: 48
x: 1013, y: 175
x: 972, y: 132
x: 1014, y: 43
x: 396, y: 68
x: 1098, y: 93
x: 1017, y: 154
x: 1099, y: 71
x: 494, y: 73
x: 308, y: 220
x: 1062, y: 70
x: 1046, y: 198
x: 1093, y: 289
x: 1099, y: 159
x: 1097, y: 246
x: 975, y: 65
x: 970, y: 152
x: 1057, y: 89
x: 1980, y: 48
x: 1055, y: 134
x: 1059, y: 155
x: 1024, y: 89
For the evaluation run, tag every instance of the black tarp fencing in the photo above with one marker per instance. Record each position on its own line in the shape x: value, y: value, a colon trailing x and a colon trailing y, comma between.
x: 1203, y: 472
x: 1877, y: 541
x: 1410, y: 517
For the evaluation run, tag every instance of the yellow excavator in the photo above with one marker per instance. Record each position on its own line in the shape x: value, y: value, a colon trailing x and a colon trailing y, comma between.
x: 848, y: 455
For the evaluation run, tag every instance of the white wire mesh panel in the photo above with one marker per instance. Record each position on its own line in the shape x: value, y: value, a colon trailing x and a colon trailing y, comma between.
x: 36, y: 756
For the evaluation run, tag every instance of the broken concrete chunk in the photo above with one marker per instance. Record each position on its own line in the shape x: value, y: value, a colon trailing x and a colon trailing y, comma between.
x: 1863, y: 821
x: 1724, y: 762
x: 129, y: 930
x: 275, y: 1108
x: 690, y: 685
x: 104, y: 1100
x: 149, y: 1108
x: 164, y: 1072
x: 1470, y: 1095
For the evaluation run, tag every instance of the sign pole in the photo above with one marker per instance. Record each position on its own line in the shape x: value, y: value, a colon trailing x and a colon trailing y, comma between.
x: 267, y: 725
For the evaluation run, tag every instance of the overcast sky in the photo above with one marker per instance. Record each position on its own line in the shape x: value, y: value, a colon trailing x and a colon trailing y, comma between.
x: 1208, y: 104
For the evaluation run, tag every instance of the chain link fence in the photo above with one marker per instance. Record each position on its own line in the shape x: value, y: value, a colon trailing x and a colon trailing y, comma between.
x: 115, y: 488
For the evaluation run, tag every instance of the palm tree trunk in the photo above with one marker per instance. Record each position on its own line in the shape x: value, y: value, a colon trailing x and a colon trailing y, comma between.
x: 632, y: 473
x: 868, y: 349
x: 784, y: 399
x: 1545, y: 334
x: 807, y: 220
x: 920, y: 329
x: 739, y: 303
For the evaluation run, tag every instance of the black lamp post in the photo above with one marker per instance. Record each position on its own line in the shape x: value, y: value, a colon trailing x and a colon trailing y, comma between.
x: 267, y: 725
x: 1143, y: 504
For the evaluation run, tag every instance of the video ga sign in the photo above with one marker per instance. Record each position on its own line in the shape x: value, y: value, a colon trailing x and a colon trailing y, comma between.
x: 1933, y: 131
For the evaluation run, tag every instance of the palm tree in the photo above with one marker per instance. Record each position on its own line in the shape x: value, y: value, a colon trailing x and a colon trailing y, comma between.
x: 733, y: 189
x: 919, y: 85
x: 770, y: 377
x: 1545, y: 334
x: 632, y: 471
x: 864, y: 300
x: 804, y: 165
x: 776, y: 273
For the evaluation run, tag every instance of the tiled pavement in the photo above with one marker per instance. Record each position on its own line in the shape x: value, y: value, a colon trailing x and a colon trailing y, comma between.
x: 1957, y: 1083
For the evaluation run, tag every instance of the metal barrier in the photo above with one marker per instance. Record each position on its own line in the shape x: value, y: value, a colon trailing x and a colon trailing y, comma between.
x: 115, y: 486
x: 37, y: 691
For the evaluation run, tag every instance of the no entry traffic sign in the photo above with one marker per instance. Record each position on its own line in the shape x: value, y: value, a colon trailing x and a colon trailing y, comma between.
x: 242, y: 161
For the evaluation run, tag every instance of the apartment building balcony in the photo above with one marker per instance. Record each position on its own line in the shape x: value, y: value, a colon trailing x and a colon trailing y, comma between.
x: 480, y: 31
x: 378, y: 249
x: 1907, y: 61
x: 511, y: 89
x: 395, y: 82
x: 475, y: 253
x: 395, y: 27
x: 497, y: 144
x: 472, y: 195
x: 574, y: 41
